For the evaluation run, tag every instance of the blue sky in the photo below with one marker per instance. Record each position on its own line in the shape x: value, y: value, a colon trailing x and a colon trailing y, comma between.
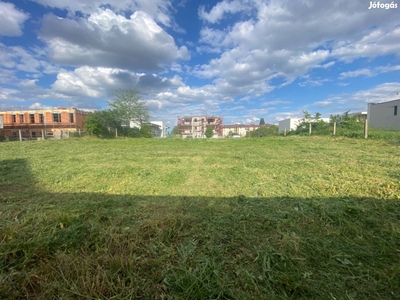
x: 240, y: 59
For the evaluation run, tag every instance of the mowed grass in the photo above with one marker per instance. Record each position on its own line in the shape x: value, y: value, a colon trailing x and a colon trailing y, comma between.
x: 263, y: 218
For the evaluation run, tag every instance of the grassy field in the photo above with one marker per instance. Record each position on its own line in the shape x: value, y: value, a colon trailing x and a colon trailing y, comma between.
x: 263, y: 218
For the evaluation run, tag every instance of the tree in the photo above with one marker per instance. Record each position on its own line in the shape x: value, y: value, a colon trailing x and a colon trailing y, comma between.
x: 94, y: 124
x: 174, y: 130
x: 209, y: 132
x: 334, y: 119
x: 262, y: 122
x: 98, y: 122
x: 127, y: 107
x: 307, y: 116
x: 264, y: 131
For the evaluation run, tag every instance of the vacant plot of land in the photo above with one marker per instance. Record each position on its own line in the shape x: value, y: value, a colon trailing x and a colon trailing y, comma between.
x: 269, y: 218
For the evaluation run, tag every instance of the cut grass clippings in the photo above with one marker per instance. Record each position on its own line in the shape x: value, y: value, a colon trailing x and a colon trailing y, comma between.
x: 270, y: 218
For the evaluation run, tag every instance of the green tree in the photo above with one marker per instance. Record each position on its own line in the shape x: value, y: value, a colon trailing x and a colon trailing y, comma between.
x: 265, y: 131
x: 209, y: 132
x: 262, y: 122
x: 145, y: 131
x: 307, y: 117
x: 127, y: 107
x: 94, y: 124
x: 333, y: 119
x: 174, y: 130
x: 100, y: 121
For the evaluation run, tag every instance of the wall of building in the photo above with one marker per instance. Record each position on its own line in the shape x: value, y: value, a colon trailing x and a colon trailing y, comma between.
x: 292, y: 123
x: 163, y: 128
x: 384, y: 115
x: 289, y: 124
x: 241, y: 129
x: 32, y: 124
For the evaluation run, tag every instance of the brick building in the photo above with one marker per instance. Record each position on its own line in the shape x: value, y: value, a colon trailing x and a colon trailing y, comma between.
x: 35, y: 124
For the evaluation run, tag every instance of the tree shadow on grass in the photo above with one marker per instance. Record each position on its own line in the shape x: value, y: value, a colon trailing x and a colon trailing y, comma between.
x: 93, y: 245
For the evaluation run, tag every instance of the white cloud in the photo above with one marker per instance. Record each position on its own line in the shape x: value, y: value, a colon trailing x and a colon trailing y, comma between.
x: 11, y: 20
x: 158, y: 10
x: 275, y: 102
x: 369, y: 72
x: 287, y: 39
x: 313, y: 82
x: 323, y: 103
x: 103, y: 82
x: 222, y: 8
x: 358, y: 101
x: 360, y: 72
x: 387, y: 69
x: 110, y: 40
x: 38, y: 105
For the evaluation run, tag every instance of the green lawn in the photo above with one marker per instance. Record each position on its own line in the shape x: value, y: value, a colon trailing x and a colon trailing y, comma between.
x: 264, y: 218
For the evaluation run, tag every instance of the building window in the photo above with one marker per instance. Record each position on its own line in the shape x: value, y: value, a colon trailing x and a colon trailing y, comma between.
x: 71, y: 117
x: 33, y: 133
x: 32, y: 116
x: 14, y: 118
x: 14, y: 133
x: 21, y: 118
x: 395, y: 110
x: 57, y: 118
x: 41, y: 118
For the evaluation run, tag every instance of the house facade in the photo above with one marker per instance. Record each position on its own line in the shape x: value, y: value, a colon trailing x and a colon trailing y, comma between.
x: 385, y: 115
x: 33, y: 124
x: 196, y: 126
x: 240, y: 129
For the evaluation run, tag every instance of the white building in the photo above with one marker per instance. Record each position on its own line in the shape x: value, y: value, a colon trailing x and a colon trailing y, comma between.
x: 162, y: 132
x: 288, y: 124
x: 292, y: 123
x: 158, y: 128
x: 385, y: 115
x: 358, y: 114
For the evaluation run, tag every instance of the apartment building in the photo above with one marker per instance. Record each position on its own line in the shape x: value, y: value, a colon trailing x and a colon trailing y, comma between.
x: 240, y: 129
x: 195, y: 126
x: 33, y: 124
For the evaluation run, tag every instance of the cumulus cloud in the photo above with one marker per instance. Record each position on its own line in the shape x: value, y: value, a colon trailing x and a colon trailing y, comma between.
x: 103, y: 82
x: 221, y: 9
x: 287, y: 39
x: 109, y: 40
x: 11, y: 20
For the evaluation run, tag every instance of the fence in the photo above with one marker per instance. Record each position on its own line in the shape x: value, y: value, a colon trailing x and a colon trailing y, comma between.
x: 333, y: 130
x: 355, y: 130
x: 22, y: 135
